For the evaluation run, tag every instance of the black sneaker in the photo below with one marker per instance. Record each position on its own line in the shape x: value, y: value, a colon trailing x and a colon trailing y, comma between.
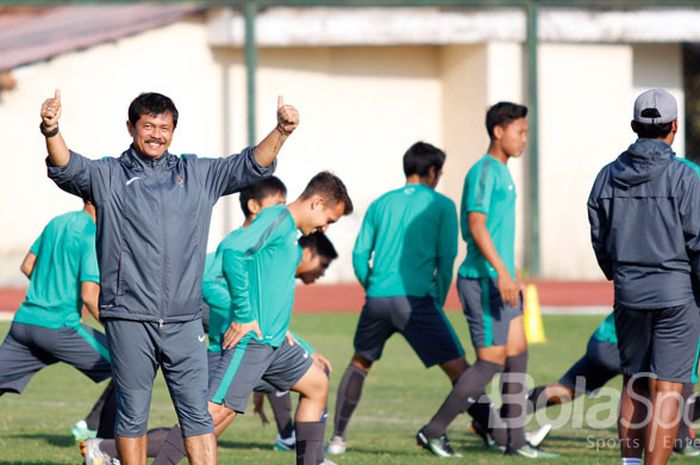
x: 485, y: 436
x: 438, y: 446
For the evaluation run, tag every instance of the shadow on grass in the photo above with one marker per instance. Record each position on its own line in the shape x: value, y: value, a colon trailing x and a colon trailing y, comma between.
x: 267, y: 446
x: 244, y: 445
x: 30, y: 462
x: 60, y: 440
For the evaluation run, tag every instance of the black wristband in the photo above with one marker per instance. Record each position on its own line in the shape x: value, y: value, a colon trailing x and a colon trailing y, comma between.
x: 46, y: 133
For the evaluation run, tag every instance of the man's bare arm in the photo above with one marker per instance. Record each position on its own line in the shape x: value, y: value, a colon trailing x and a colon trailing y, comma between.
x: 55, y: 145
x: 27, y: 266
x: 287, y: 121
x: 90, y: 293
x: 507, y: 286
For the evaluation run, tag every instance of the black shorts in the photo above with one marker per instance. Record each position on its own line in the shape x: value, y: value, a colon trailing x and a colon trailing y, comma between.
x: 661, y: 342
x: 600, y: 364
x: 419, y: 320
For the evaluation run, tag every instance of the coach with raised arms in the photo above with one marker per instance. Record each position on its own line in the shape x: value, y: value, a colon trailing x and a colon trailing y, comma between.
x: 154, y: 210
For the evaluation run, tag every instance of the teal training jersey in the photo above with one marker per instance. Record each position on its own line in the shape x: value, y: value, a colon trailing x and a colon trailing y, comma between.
x: 259, y: 268
x: 410, y: 237
x: 606, y: 331
x: 489, y: 189
x: 215, y: 294
x: 66, y: 257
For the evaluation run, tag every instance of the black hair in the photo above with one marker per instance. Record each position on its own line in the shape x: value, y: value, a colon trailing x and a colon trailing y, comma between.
x: 502, y: 114
x: 151, y: 103
x: 652, y: 131
x: 331, y: 187
x: 319, y: 244
x: 261, y: 189
x: 420, y: 157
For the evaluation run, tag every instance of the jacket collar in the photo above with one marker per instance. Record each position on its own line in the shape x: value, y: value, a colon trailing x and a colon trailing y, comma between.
x: 138, y: 162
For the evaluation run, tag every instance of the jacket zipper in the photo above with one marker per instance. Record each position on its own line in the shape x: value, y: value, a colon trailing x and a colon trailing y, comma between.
x: 165, y: 252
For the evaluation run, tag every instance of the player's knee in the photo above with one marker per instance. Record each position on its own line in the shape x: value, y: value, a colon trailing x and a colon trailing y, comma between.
x: 361, y: 362
x: 220, y: 413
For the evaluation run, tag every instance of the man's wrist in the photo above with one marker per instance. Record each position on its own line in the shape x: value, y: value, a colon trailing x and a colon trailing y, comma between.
x: 48, y: 132
x: 282, y: 131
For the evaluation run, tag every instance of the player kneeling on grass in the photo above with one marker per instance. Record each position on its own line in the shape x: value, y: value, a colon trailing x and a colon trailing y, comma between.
x: 600, y: 364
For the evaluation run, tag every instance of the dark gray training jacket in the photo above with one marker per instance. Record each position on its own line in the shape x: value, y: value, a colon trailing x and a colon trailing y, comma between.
x: 644, y: 212
x: 152, y: 225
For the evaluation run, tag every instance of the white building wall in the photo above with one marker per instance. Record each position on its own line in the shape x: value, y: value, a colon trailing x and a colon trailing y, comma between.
x: 585, y: 114
x: 97, y: 85
x: 361, y: 107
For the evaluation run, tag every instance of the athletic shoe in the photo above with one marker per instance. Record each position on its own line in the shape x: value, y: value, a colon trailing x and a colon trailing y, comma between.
x: 327, y: 462
x: 81, y: 432
x: 336, y: 446
x: 483, y: 433
x: 535, y: 438
x: 94, y: 456
x: 437, y: 446
x: 530, y: 452
x: 687, y: 451
x: 285, y: 444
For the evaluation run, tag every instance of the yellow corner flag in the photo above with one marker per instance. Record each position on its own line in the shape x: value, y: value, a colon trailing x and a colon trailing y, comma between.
x: 534, y: 329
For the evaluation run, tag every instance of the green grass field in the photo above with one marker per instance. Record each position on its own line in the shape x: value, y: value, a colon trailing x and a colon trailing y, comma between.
x: 399, y: 397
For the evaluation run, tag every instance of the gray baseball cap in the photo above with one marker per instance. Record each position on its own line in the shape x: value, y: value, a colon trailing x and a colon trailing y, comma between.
x: 655, y: 106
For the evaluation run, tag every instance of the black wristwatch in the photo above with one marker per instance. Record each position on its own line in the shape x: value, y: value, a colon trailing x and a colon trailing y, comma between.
x: 46, y: 133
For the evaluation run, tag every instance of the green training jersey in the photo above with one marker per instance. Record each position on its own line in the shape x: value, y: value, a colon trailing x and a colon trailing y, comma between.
x: 259, y: 268
x: 606, y: 330
x: 410, y: 237
x: 489, y: 189
x: 215, y: 294
x: 66, y: 257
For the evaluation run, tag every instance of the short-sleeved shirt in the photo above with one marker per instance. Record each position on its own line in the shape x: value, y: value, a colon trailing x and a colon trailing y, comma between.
x: 66, y: 257
x: 489, y: 189
x: 259, y: 268
x: 410, y: 235
x: 606, y: 330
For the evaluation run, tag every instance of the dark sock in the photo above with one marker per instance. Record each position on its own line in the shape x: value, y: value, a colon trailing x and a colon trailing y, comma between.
x: 536, y: 399
x: 93, y: 418
x: 156, y: 438
x: 173, y: 449
x: 281, y: 404
x: 349, y: 392
x: 683, y: 438
x: 470, y: 385
x: 695, y: 409
x: 108, y: 416
x: 109, y: 447
x: 514, y: 411
x: 309, y: 439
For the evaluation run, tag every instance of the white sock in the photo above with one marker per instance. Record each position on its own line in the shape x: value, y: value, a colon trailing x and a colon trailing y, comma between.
x: 631, y: 461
